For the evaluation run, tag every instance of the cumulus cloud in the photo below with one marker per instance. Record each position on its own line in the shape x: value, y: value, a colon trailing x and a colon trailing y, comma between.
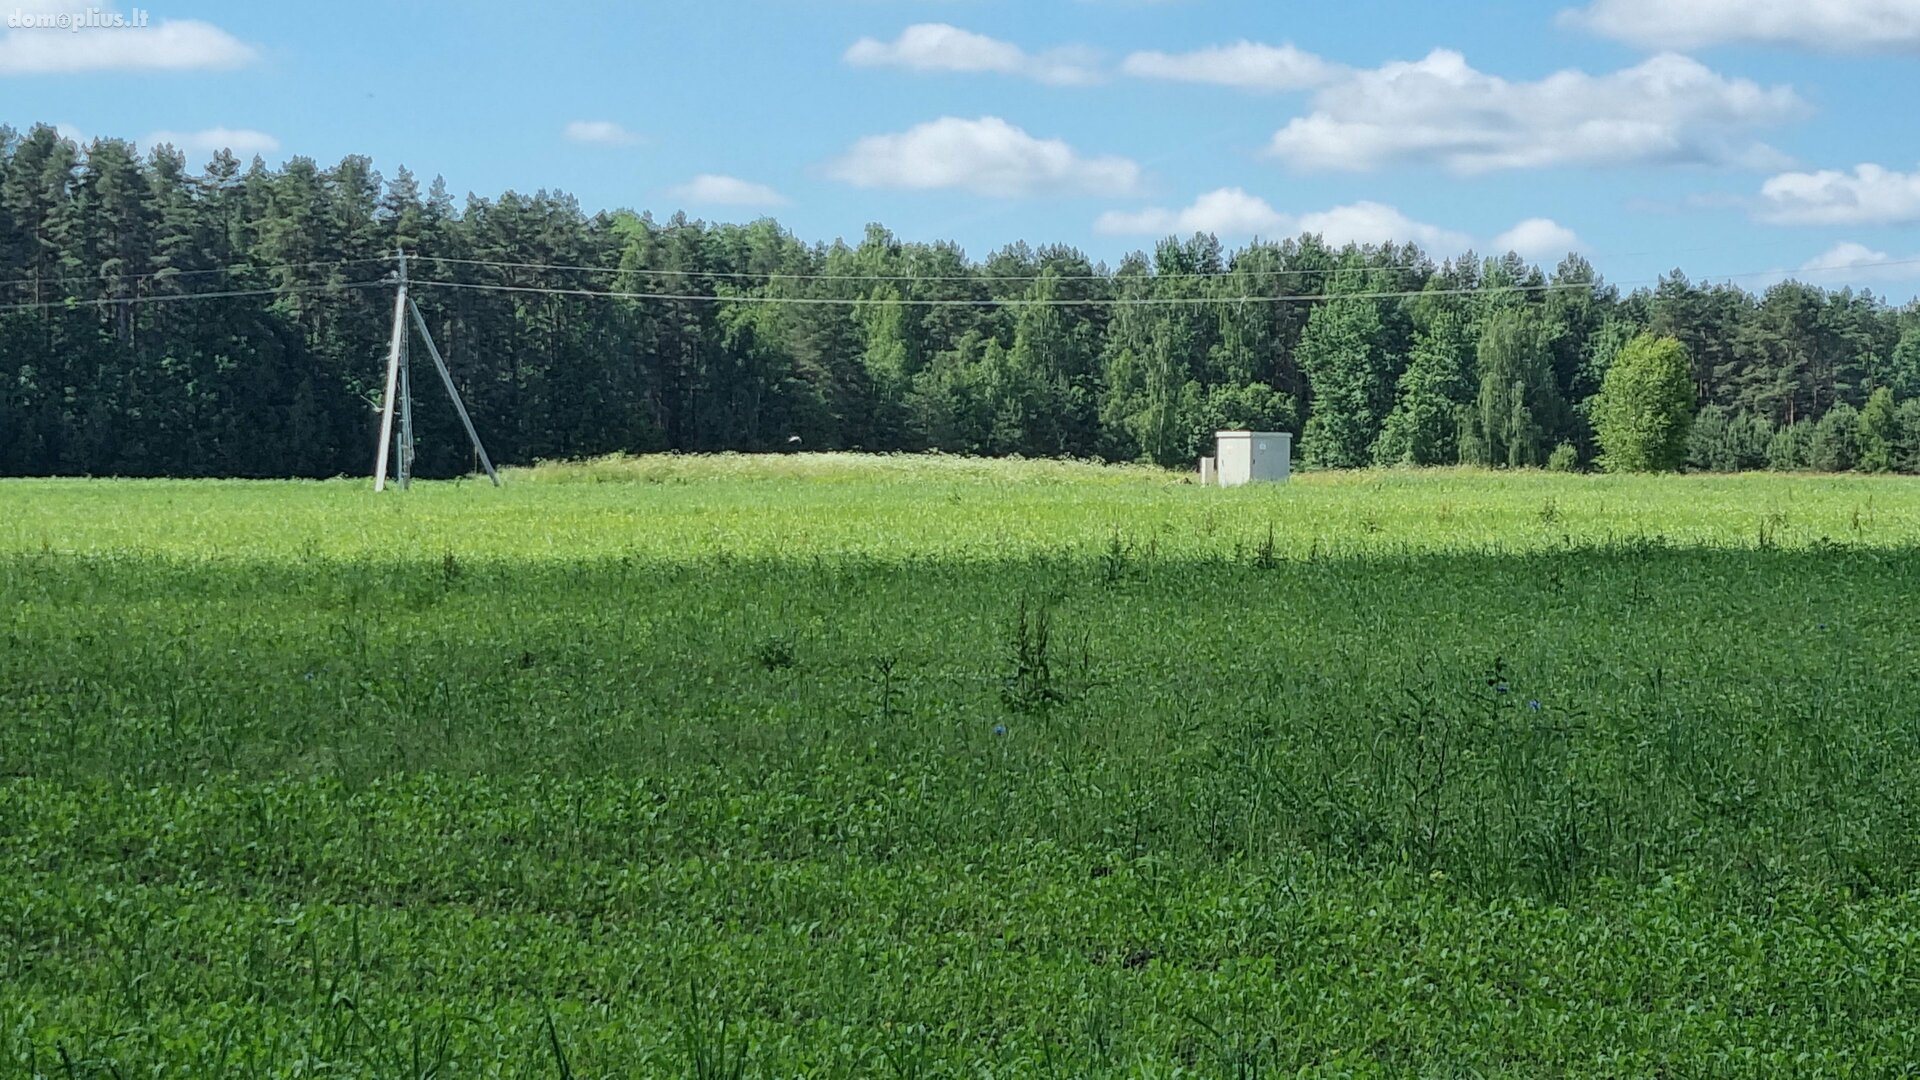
x: 1376, y: 223
x: 242, y: 141
x: 1227, y: 212
x: 1246, y: 65
x: 1869, y: 195
x: 1666, y: 110
x: 161, y: 45
x: 710, y: 189
x: 602, y: 132
x: 1235, y: 212
x: 1538, y: 238
x: 987, y: 156
x: 1826, y: 25
x: 1856, y: 263
x: 940, y: 47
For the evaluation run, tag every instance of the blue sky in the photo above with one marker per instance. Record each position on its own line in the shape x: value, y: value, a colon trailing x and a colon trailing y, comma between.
x: 1732, y: 138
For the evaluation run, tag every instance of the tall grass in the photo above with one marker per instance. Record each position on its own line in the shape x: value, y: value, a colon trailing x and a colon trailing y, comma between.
x: 922, y: 768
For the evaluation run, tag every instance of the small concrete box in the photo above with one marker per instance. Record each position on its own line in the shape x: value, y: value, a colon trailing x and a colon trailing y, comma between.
x: 1249, y: 457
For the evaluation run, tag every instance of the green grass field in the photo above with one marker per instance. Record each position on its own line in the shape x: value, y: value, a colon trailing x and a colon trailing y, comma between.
x: 820, y: 766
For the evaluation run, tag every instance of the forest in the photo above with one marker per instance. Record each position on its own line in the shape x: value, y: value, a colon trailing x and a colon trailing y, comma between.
x: 232, y: 321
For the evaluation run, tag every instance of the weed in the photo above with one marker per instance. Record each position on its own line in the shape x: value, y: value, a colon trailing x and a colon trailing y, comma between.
x: 1031, y: 683
x: 713, y: 1050
x: 1265, y: 554
x: 776, y: 653
x: 1115, y: 559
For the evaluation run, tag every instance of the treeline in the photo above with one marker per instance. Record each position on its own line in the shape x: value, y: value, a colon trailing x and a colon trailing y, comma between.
x: 119, y: 355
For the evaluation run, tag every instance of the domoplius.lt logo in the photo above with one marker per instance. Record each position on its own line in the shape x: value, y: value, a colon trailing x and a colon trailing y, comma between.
x: 74, y: 21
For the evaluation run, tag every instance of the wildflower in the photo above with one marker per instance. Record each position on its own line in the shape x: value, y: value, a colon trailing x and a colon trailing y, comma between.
x: 1000, y: 729
x: 1500, y: 689
x: 1534, y: 705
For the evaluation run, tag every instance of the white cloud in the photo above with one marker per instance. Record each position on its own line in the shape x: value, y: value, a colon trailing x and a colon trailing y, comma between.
x: 603, y: 132
x: 987, y: 156
x: 1247, y: 65
x: 1858, y: 264
x: 1227, y: 212
x: 709, y: 189
x: 940, y: 47
x: 1827, y: 25
x: 1376, y: 223
x: 1666, y: 110
x: 1869, y: 195
x: 1845, y: 256
x: 162, y: 45
x: 242, y: 141
x: 1538, y: 238
x: 1234, y: 212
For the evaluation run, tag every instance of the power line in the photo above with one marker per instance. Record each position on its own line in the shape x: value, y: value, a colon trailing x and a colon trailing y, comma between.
x: 1122, y: 301
x: 171, y: 297
x: 982, y: 277
x: 237, y: 268
x: 1806, y: 270
x: 987, y: 302
x: 774, y: 277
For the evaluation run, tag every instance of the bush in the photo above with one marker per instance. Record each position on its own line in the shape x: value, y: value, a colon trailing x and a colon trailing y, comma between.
x: 1787, y: 450
x: 1725, y: 441
x: 1224, y: 407
x: 1645, y: 407
x: 1707, y: 442
x: 1835, y: 443
x: 1565, y: 458
x: 1879, y: 431
x: 1748, y: 438
x: 1906, y: 440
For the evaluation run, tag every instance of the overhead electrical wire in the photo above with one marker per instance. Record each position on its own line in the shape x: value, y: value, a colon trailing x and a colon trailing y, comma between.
x: 1880, y: 264
x: 107, y: 279
x: 1114, y: 301
x: 167, y: 298
x: 816, y: 301
x: 983, y: 277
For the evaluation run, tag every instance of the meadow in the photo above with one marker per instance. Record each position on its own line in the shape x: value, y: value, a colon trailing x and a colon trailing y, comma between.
x: 914, y: 767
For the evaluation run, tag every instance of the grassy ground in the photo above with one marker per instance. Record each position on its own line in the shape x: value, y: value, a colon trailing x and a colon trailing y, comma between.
x: 893, y: 767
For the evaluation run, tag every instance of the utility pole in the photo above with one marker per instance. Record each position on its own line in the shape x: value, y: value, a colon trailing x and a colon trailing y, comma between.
x: 395, y: 347
x: 400, y: 391
x: 405, y: 465
x: 446, y: 379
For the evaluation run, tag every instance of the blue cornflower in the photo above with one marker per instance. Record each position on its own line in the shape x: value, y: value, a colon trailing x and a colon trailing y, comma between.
x: 1534, y: 705
x: 1000, y: 729
x: 1501, y: 689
